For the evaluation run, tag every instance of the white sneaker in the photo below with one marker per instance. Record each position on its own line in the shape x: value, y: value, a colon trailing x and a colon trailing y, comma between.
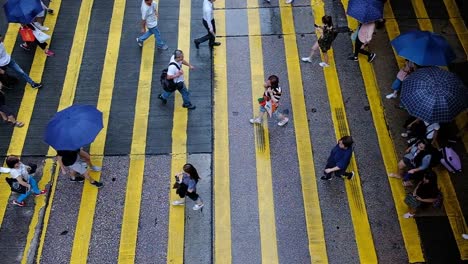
x: 465, y: 236
x: 306, y: 59
x: 178, y: 202
x: 408, y: 215
x: 391, y: 96
x: 289, y: 1
x: 41, y: 27
x: 323, y: 64
x: 255, y: 121
x: 96, y: 168
x: 198, y: 206
x: 404, y: 135
x: 283, y: 122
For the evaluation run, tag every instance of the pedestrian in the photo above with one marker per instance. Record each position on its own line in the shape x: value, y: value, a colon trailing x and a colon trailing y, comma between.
x: 364, y: 37
x: 339, y: 159
x: 209, y: 24
x: 43, y: 45
x: 39, y: 19
x: 6, y: 62
x: 270, y: 102
x: 5, y: 112
x: 187, y: 186
x: 420, y: 129
x: 425, y: 193
x: 149, y: 19
x: 176, y: 75
x: 327, y: 34
x: 77, y: 162
x: 25, y: 176
x: 404, y: 72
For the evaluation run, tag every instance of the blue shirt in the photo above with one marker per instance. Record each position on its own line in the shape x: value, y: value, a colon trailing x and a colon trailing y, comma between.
x: 340, y: 157
x: 191, y: 183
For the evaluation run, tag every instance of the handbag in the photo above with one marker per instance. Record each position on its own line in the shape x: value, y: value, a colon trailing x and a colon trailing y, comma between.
x: 26, y: 34
x: 15, y: 186
x: 40, y: 36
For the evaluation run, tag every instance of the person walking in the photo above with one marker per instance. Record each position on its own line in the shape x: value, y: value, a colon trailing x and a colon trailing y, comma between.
x: 364, y: 37
x: 209, y: 24
x: 149, y: 19
x: 327, y: 35
x: 187, y: 181
x: 5, y: 112
x: 39, y: 19
x: 24, y: 175
x: 271, y: 98
x: 6, y: 62
x: 176, y: 75
x: 43, y: 45
x: 339, y: 159
x: 77, y: 161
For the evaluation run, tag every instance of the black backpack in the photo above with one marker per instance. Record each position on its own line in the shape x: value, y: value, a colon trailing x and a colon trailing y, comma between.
x: 168, y: 85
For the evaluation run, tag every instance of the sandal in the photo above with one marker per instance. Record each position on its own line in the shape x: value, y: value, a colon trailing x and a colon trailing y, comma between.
x: 17, y: 123
x: 394, y: 175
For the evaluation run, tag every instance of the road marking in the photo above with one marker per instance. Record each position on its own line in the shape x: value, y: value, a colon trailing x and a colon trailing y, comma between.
x: 313, y: 215
x: 266, y: 208
x: 176, y: 234
x: 221, y: 184
x: 421, y: 15
x: 131, y: 213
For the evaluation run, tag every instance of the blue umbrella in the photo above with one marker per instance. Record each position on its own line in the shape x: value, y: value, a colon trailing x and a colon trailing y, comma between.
x: 434, y: 95
x: 22, y: 11
x: 424, y: 48
x: 73, y: 127
x: 365, y: 11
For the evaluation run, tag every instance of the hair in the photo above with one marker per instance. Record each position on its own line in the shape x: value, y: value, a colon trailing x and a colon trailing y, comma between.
x: 347, y: 141
x: 274, y: 81
x: 11, y: 161
x: 178, y: 53
x: 190, y: 169
x: 327, y: 21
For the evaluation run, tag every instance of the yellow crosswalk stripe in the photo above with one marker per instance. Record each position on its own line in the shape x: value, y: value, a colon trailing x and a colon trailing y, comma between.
x: 421, y: 15
x: 221, y: 182
x: 266, y: 209
x: 176, y: 234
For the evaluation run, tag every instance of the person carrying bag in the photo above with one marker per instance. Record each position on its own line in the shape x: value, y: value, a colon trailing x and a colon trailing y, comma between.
x: 39, y: 38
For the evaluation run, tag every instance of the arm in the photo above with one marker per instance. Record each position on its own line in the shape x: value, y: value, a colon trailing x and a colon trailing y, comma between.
x: 426, y: 161
x: 412, y: 123
x: 434, y: 138
x: 143, y: 26
x: 186, y: 63
x: 336, y: 168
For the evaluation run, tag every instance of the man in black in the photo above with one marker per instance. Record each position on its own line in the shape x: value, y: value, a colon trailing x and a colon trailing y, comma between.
x: 77, y: 161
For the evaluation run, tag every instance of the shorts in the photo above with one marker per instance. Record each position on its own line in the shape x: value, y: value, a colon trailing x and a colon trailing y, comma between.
x: 79, y: 166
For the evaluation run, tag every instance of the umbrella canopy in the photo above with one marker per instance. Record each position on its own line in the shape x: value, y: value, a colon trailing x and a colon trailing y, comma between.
x: 434, y: 95
x: 365, y: 11
x: 424, y: 48
x: 73, y: 127
x: 22, y: 11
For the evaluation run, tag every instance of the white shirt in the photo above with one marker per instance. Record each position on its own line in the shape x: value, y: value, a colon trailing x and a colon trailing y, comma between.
x: 430, y: 129
x: 208, y: 12
x: 172, y: 70
x: 148, y: 13
x: 4, y: 56
x: 4, y: 170
x: 21, y: 171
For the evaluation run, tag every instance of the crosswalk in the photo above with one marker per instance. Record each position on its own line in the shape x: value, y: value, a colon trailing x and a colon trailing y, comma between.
x: 268, y: 204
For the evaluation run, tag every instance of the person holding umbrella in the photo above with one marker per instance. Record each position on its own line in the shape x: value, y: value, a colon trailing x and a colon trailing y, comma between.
x: 364, y: 37
x: 71, y: 162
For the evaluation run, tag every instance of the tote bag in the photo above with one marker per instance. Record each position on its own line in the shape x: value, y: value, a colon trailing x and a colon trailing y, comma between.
x: 26, y: 34
x: 40, y: 36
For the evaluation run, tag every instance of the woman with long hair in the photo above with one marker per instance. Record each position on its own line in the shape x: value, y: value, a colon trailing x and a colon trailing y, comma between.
x: 327, y: 35
x: 188, y: 180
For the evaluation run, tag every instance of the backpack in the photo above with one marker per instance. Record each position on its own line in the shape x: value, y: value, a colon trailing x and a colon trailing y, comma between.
x: 168, y: 85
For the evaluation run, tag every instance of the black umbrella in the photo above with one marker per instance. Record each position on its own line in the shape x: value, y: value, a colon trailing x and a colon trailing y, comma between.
x: 434, y: 95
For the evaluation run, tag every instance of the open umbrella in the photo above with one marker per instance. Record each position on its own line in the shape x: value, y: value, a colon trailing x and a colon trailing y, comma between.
x: 365, y: 11
x: 424, y: 48
x: 22, y: 11
x: 434, y: 95
x: 73, y: 127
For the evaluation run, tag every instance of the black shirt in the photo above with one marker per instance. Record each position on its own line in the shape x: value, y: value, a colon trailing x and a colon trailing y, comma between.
x: 68, y: 156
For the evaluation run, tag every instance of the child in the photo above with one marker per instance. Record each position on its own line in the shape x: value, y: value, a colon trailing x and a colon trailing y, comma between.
x: 401, y: 76
x: 328, y: 34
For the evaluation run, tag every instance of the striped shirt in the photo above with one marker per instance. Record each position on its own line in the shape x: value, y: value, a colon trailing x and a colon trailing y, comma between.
x: 275, y: 92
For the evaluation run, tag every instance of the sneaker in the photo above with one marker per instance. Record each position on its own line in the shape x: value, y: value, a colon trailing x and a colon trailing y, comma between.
x: 49, y: 53
x: 18, y: 203
x: 353, y: 58
x: 289, y: 1
x: 37, y: 85
x: 163, y: 47
x: 189, y: 106
x: 325, y: 178
x: 255, y: 121
x: 139, y: 42
x: 216, y: 44
x: 164, y: 101
x: 77, y: 179
x: 95, y: 168
x: 178, y: 202
x: 323, y: 64
x: 404, y: 135
x: 371, y: 57
x: 41, y: 193
x: 306, y: 59
x: 198, y: 206
x: 283, y: 122
x: 349, y: 175
x: 97, y: 184
x: 197, y: 44
x: 408, y: 215
x: 465, y: 236
x: 25, y: 46
x: 40, y: 27
x: 391, y: 96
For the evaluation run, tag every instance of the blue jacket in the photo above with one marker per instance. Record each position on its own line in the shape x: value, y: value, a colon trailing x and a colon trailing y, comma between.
x: 340, y: 157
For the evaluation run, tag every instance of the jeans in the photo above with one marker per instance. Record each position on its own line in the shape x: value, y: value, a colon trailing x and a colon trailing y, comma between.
x: 182, y: 90
x: 157, y: 36
x: 34, y: 189
x: 14, y: 66
x: 208, y: 36
x: 396, y: 85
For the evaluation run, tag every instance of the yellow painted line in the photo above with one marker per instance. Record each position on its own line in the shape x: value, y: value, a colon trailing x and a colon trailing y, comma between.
x: 131, y: 214
x: 221, y: 181
x: 458, y: 24
x: 393, y: 30
x: 176, y: 234
x: 421, y: 15
x: 9, y: 39
x: 85, y: 219
x: 266, y: 208
x: 409, y: 229
x: 313, y: 215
